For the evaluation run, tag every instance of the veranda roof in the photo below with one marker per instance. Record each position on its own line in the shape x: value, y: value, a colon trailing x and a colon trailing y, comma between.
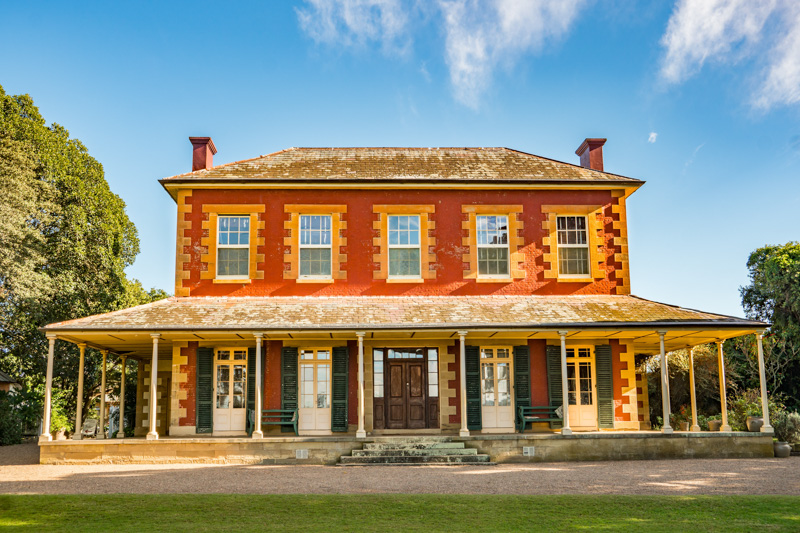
x: 589, y: 316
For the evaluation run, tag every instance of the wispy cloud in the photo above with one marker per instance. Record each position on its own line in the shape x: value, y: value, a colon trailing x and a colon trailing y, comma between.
x: 726, y: 31
x: 652, y: 138
x: 481, y: 35
x: 691, y: 158
x: 356, y: 22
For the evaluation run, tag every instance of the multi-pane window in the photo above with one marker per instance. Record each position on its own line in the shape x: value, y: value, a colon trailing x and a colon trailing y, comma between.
x: 404, y: 249
x: 315, y: 379
x: 573, y: 246
x: 579, y: 376
x: 495, y: 377
x: 233, y: 246
x: 433, y: 372
x: 492, y: 240
x: 231, y: 379
x: 315, y: 246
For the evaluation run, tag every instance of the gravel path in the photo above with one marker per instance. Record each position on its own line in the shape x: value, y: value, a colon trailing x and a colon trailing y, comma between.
x: 19, y: 474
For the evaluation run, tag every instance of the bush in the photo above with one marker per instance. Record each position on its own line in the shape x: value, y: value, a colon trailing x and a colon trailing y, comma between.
x: 748, y: 403
x: 786, y: 426
x: 10, y: 420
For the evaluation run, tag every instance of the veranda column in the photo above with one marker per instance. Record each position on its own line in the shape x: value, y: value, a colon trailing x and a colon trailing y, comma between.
x: 257, y: 433
x: 48, y: 389
x: 665, y: 408
x: 152, y: 406
x: 76, y: 435
x: 565, y: 429
x: 463, y: 366
x: 361, y: 433
x: 723, y: 389
x: 121, y: 431
x: 695, y: 425
x: 766, y: 428
x: 102, y: 433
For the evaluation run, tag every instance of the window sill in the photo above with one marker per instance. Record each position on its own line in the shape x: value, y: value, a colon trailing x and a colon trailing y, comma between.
x: 575, y: 280
x: 239, y: 281
x: 405, y: 280
x: 494, y: 280
x: 314, y: 280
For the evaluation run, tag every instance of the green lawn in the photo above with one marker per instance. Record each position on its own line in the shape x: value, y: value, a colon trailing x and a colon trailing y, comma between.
x: 386, y: 512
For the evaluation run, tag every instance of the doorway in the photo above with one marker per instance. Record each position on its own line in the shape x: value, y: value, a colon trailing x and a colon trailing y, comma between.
x: 230, y: 386
x: 497, y: 405
x: 315, y: 391
x: 406, y: 388
x: 581, y: 383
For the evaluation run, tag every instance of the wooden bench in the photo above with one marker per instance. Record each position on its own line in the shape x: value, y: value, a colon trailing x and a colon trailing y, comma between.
x: 536, y: 413
x: 280, y: 417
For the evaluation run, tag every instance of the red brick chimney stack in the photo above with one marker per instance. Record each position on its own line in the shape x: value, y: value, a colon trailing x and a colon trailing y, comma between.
x: 591, y: 153
x: 203, y: 151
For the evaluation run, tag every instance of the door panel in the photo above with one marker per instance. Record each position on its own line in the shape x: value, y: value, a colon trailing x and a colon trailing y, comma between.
x: 416, y: 395
x: 397, y: 396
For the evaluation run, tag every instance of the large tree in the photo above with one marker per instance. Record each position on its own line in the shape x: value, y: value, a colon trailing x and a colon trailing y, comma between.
x: 66, y: 242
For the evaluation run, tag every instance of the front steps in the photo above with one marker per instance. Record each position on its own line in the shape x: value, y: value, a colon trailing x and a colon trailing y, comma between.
x: 414, y: 451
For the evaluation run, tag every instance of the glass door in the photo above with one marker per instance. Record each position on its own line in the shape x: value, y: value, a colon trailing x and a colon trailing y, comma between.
x: 230, y: 386
x: 496, y: 403
x: 315, y: 391
x: 581, y: 388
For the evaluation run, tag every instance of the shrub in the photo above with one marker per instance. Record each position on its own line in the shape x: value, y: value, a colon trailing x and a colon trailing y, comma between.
x: 748, y: 403
x: 786, y: 426
x: 10, y: 420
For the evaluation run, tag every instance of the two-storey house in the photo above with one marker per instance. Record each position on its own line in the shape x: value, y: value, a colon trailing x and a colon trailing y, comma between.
x: 379, y: 291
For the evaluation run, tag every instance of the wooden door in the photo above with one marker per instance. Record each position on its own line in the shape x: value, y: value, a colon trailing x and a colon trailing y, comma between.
x: 407, y: 395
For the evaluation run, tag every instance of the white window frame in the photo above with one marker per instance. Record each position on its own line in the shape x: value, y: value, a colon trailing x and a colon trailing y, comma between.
x: 588, y: 274
x: 391, y: 246
x: 301, y: 247
x: 230, y: 246
x: 505, y: 246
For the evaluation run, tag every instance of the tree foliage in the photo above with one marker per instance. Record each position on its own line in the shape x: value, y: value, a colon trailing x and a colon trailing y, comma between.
x: 66, y: 242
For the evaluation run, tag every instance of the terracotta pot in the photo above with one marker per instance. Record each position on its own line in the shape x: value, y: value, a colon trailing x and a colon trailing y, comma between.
x: 782, y: 449
x: 754, y: 423
x: 684, y: 426
x: 714, y: 425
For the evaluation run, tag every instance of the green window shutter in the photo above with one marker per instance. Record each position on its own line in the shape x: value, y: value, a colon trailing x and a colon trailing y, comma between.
x: 554, y: 379
x: 605, y: 386
x: 288, y: 382
x: 473, y: 374
x: 341, y: 356
x: 204, y: 394
x: 251, y: 388
x: 522, y: 378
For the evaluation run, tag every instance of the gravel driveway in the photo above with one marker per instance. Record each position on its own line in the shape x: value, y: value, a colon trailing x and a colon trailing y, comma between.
x: 19, y: 474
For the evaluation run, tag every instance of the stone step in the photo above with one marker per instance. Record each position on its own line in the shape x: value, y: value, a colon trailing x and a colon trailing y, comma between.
x: 422, y: 439
x: 415, y: 459
x: 403, y: 445
x: 414, y: 452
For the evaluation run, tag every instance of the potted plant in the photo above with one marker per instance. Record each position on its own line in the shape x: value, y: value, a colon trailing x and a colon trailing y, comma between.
x: 714, y: 422
x: 754, y: 420
x: 680, y: 420
x: 786, y: 426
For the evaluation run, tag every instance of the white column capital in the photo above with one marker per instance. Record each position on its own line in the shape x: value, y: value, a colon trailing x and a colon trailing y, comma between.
x: 563, y: 333
x: 155, y: 336
x: 661, y: 333
x: 361, y: 334
x: 258, y: 336
x: 51, y: 336
x: 462, y: 333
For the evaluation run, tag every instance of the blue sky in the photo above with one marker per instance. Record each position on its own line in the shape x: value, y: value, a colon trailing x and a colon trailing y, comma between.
x: 700, y: 98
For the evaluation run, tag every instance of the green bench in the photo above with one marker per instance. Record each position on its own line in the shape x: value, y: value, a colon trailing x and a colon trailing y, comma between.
x: 280, y: 417
x: 537, y: 413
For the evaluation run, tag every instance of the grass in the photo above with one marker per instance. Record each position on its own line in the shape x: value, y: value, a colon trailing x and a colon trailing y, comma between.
x: 402, y: 512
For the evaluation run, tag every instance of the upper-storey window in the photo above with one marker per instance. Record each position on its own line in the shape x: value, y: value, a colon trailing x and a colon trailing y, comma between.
x: 573, y: 246
x: 233, y: 247
x: 315, y: 246
x: 404, y: 247
x: 492, y: 240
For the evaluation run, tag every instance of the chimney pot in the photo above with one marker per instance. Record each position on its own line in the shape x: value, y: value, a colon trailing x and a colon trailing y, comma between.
x: 203, y: 151
x: 591, y: 153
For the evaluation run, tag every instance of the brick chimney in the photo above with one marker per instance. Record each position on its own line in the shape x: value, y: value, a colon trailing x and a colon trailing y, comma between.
x: 203, y: 151
x: 591, y: 153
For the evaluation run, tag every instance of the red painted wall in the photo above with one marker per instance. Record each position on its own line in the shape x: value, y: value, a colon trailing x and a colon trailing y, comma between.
x: 539, y: 393
x: 272, y: 379
x: 190, y: 403
x: 360, y: 233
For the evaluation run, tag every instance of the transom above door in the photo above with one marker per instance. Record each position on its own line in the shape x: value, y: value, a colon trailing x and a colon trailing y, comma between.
x: 315, y: 391
x: 230, y: 386
x: 405, y: 388
x: 497, y: 405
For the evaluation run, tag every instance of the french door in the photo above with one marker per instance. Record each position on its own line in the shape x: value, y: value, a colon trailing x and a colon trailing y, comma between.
x: 581, y: 388
x: 230, y: 386
x: 497, y: 405
x: 315, y: 391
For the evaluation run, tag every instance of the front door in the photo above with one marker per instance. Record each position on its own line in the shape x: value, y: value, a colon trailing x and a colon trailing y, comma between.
x: 406, y: 388
x: 581, y: 387
x: 407, y: 394
x: 315, y: 391
x: 230, y: 384
x: 497, y: 407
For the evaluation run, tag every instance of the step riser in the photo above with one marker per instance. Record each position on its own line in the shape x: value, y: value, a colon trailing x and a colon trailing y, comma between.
x: 415, y: 460
x: 413, y: 453
x: 414, y: 446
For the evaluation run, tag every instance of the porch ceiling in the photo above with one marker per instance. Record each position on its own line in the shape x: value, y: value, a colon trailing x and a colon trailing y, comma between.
x: 233, y: 320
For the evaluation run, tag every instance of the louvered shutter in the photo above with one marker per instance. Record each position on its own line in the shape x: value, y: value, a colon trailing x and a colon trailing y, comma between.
x: 605, y: 386
x: 251, y: 389
x: 554, y: 387
x: 522, y: 379
x: 288, y: 382
x: 204, y: 394
x: 473, y: 374
x: 341, y: 358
